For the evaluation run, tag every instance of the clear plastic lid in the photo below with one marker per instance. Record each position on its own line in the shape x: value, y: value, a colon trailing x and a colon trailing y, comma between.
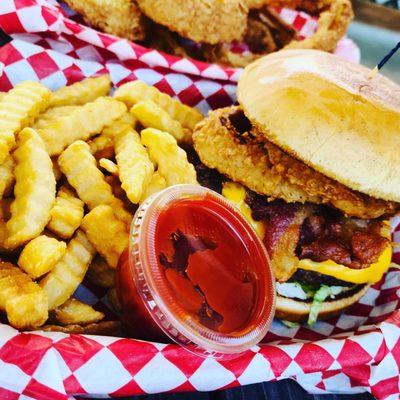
x: 201, y: 270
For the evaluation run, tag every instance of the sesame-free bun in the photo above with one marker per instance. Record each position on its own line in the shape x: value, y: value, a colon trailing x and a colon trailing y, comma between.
x: 330, y: 114
x: 298, y: 310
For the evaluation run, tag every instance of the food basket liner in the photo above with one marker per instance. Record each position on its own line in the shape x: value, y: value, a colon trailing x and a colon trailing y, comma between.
x: 355, y: 352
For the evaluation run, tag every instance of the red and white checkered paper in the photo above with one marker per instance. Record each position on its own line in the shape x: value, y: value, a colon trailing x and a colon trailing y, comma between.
x: 355, y: 352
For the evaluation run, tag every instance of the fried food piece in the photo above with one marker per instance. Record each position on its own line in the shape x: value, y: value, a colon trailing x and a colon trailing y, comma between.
x: 82, y: 92
x: 157, y: 183
x: 132, y: 92
x: 150, y: 115
x: 209, y: 21
x: 24, y: 302
x: 332, y: 26
x: 18, y: 109
x: 52, y: 115
x: 134, y: 164
x: 106, y: 232
x: 74, y: 311
x: 102, y: 146
x: 61, y: 282
x: 172, y: 161
x: 104, y: 328
x: 109, y: 166
x: 66, y: 214
x: 352, y: 203
x: 100, y: 273
x: 82, y: 123
x: 266, y: 32
x: 34, y: 190
x: 7, y: 178
x: 117, y: 17
x: 80, y: 167
x: 220, y: 143
x: 40, y: 255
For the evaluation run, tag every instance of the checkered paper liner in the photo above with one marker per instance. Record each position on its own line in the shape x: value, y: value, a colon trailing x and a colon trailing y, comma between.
x: 357, y: 351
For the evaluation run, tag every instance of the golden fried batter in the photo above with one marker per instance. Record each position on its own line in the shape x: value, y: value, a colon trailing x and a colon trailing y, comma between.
x: 245, y: 163
x: 332, y: 26
x: 117, y: 17
x: 225, y: 141
x: 209, y: 21
x: 352, y: 203
x: 266, y: 31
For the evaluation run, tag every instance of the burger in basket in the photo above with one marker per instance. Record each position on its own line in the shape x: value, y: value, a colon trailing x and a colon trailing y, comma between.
x: 311, y: 155
x: 230, y: 32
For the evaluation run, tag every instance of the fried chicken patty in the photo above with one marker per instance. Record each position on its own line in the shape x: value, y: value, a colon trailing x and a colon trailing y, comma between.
x: 244, y: 162
x: 117, y: 17
x: 227, y: 142
x: 209, y: 21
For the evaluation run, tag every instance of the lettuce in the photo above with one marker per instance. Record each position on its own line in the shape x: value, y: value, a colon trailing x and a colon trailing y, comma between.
x: 319, y: 297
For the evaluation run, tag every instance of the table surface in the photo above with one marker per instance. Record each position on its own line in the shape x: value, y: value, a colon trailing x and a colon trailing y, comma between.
x: 374, y: 43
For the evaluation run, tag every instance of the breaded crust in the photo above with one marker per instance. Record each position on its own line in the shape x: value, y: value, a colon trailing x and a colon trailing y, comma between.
x: 250, y: 159
x: 209, y: 21
x: 118, y: 17
x: 352, y: 203
x: 245, y: 163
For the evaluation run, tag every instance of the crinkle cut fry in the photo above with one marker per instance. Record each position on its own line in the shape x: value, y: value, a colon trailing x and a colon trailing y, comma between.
x: 61, y: 282
x: 34, y: 190
x: 81, y: 92
x: 82, y: 123
x: 40, y: 255
x: 80, y: 167
x: 18, y: 108
x: 24, y: 302
x: 74, y: 311
x: 134, y: 164
x: 132, y: 92
x: 117, y: 17
x: 172, y: 161
x: 66, y: 214
x: 106, y: 232
x: 150, y: 115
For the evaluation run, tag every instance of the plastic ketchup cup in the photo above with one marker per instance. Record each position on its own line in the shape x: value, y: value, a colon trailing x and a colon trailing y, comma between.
x: 197, y: 273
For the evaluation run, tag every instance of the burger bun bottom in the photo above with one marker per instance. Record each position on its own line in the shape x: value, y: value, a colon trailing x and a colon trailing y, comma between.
x: 298, y: 310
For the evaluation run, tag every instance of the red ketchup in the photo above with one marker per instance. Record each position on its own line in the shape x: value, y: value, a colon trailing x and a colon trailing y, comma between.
x: 196, y: 272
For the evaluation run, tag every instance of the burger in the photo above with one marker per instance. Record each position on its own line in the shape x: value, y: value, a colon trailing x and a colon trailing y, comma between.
x: 310, y: 156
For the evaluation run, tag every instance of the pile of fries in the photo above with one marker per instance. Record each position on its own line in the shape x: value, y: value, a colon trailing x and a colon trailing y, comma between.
x: 73, y: 168
x: 214, y: 30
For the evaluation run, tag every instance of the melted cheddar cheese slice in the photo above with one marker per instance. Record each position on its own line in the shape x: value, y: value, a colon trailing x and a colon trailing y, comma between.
x: 371, y: 274
x: 236, y: 194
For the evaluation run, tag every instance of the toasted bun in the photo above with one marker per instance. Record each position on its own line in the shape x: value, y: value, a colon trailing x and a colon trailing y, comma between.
x: 328, y: 113
x: 298, y: 310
